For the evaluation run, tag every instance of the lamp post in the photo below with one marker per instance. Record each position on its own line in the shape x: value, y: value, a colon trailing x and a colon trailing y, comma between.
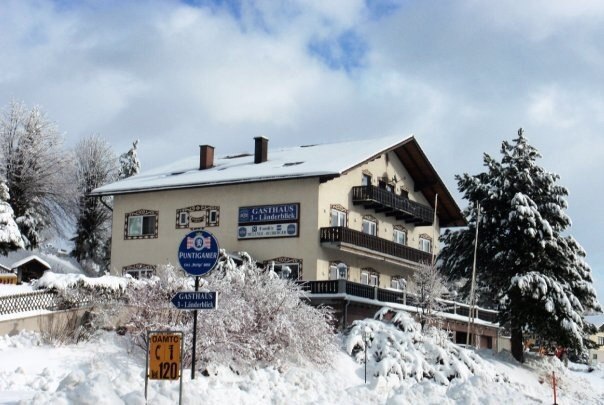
x: 366, y: 334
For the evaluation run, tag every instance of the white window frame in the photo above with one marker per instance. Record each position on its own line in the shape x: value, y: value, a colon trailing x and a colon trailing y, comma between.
x: 364, y: 277
x: 337, y: 217
x: 374, y: 280
x: 136, y: 225
x: 400, y: 236
x: 285, y: 266
x: 338, y: 271
x: 366, y: 180
x: 183, y: 219
x: 425, y: 245
x: 369, y: 225
x: 601, y: 340
x: 139, y: 274
x: 213, y: 217
x: 397, y: 284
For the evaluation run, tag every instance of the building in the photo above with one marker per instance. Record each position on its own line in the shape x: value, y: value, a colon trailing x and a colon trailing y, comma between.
x: 596, y: 355
x: 362, y: 211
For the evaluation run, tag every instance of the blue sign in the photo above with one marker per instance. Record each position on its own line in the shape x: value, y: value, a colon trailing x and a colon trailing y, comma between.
x: 195, y: 300
x: 198, y: 253
x: 269, y: 213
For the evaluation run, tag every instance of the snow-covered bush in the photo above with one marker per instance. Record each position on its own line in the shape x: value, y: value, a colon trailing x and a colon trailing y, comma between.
x: 260, y: 319
x: 104, y: 296
x: 396, y: 346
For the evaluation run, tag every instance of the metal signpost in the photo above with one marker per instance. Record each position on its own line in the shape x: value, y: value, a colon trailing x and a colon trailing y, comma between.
x: 164, y: 357
x: 197, y: 255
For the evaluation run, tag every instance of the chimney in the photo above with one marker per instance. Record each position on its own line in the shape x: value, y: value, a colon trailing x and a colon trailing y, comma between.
x: 206, y: 157
x: 261, y: 149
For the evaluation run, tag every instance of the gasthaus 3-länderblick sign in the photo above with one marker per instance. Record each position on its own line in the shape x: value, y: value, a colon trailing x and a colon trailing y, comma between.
x: 198, y: 252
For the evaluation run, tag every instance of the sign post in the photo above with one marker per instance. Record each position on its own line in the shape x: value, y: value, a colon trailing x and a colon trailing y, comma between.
x: 197, y: 254
x: 164, y: 357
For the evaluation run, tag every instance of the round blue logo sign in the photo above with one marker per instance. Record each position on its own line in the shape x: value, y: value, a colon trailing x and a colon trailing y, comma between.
x: 198, y: 253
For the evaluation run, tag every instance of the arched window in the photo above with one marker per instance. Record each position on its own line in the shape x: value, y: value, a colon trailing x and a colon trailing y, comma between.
x: 338, y: 271
x: 370, y: 277
x: 399, y: 235
x: 338, y: 215
x: 369, y: 225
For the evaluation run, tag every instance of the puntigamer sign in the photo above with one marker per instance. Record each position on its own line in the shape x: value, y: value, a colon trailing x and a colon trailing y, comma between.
x: 269, y: 221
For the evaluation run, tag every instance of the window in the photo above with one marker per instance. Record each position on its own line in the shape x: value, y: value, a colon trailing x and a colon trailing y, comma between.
x: 404, y: 193
x: 370, y: 225
x: 183, y: 219
x: 338, y: 271
x: 601, y: 340
x: 338, y: 216
x: 400, y: 236
x: 286, y: 267
x: 213, y: 217
x: 139, y: 270
x: 370, y: 277
x: 141, y: 224
x: 366, y: 180
x: 398, y: 283
x: 425, y: 244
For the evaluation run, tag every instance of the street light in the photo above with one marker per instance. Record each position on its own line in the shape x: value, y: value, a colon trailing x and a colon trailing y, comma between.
x: 366, y: 336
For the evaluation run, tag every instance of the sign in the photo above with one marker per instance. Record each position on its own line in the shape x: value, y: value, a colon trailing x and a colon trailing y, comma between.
x: 268, y: 231
x: 198, y: 252
x: 195, y: 300
x: 289, y: 212
x: 164, y: 355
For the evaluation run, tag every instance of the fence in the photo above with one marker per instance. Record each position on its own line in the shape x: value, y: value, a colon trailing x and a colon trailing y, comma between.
x: 39, y: 300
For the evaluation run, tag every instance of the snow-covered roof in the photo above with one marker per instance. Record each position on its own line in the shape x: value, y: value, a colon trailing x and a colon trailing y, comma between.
x: 29, y: 259
x: 321, y: 160
x: 293, y: 162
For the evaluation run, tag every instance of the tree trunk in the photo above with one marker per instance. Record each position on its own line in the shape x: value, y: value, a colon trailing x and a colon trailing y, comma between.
x: 517, y: 343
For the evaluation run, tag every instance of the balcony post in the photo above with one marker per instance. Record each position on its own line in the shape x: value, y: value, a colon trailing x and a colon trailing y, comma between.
x: 342, y: 286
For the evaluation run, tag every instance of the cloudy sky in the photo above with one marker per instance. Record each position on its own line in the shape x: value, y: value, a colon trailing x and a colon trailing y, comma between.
x: 460, y: 75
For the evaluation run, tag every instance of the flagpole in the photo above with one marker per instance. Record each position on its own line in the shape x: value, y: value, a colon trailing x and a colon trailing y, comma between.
x: 473, y: 285
x: 434, y: 229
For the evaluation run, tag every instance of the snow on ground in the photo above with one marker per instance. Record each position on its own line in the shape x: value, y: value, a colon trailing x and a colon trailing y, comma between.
x: 109, y: 370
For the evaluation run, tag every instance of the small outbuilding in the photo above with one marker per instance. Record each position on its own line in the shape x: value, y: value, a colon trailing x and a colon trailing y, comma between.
x: 29, y: 268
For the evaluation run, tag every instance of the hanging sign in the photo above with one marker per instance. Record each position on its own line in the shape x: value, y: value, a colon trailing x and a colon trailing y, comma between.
x: 198, y: 252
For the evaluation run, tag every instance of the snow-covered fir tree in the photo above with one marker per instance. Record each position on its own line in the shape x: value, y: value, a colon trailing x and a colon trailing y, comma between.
x: 129, y: 163
x: 527, y: 267
x: 95, y: 166
x: 10, y: 237
x: 37, y: 172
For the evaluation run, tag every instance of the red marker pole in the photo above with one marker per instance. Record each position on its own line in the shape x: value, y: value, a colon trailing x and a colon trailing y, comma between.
x: 554, y: 379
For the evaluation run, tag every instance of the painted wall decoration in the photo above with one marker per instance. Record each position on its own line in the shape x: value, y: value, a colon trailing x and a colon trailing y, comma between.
x: 197, y: 216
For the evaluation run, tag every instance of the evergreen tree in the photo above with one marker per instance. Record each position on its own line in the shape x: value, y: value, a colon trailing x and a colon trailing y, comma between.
x: 527, y: 267
x: 37, y: 172
x: 129, y: 163
x: 95, y: 166
x: 10, y: 237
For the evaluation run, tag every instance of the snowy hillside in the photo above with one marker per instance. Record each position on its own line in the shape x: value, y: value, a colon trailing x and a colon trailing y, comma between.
x: 108, y: 370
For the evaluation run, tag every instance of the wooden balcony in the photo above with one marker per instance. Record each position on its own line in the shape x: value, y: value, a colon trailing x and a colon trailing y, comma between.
x: 390, y: 204
x: 339, y: 234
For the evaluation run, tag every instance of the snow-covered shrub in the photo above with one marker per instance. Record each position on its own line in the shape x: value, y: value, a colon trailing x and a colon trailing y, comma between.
x: 396, y: 346
x: 104, y: 296
x: 260, y: 319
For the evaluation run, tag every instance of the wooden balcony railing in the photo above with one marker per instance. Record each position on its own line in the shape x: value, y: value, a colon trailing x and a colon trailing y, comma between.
x: 363, y: 240
x: 385, y: 201
x: 383, y: 295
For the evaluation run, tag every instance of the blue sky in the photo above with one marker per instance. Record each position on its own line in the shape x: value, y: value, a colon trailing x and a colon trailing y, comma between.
x: 462, y: 76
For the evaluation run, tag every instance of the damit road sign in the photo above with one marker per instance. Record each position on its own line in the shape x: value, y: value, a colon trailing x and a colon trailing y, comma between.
x: 164, y: 356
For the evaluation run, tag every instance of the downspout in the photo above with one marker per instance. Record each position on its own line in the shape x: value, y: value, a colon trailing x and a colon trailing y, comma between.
x: 345, y: 323
x: 104, y: 203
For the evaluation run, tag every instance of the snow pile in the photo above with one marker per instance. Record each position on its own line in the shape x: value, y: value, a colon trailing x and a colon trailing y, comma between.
x: 108, y: 370
x: 64, y: 282
x: 398, y: 347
